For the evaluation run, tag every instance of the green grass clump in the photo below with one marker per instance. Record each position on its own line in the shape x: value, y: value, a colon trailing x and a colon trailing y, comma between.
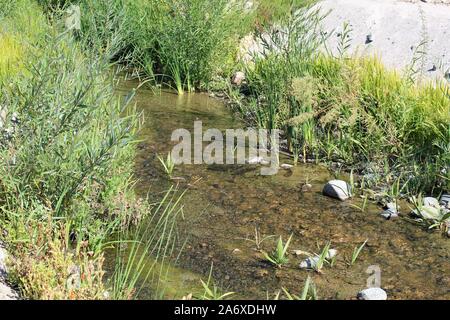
x: 349, y: 109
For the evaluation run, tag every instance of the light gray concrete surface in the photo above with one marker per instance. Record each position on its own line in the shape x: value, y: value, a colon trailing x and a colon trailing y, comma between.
x: 396, y: 29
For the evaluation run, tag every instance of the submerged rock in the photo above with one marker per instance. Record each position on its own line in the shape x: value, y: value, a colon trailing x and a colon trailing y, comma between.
x: 431, y: 202
x: 372, y: 294
x: 337, y: 189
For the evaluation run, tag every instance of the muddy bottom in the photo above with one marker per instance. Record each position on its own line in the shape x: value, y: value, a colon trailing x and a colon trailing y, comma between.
x: 225, y: 203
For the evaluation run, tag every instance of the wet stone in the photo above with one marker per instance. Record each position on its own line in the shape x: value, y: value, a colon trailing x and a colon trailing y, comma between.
x: 337, y: 189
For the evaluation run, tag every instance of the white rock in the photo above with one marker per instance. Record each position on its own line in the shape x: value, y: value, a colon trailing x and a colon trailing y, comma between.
x: 331, y: 253
x: 392, y: 206
x: 431, y: 202
x: 372, y: 294
x: 286, y: 166
x: 255, y: 160
x: 429, y: 213
x: 337, y: 189
x: 445, y: 201
x: 389, y: 214
x: 309, y: 263
x: 238, y: 78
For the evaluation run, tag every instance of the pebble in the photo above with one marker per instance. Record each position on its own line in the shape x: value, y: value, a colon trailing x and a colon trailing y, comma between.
x: 306, y: 187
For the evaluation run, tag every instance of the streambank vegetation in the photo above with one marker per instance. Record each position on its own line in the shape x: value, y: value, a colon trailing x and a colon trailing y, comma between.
x: 68, y: 143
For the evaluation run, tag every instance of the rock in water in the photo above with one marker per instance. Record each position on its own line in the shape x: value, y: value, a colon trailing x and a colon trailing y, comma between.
x: 427, y: 212
x: 309, y: 263
x: 389, y: 214
x: 372, y: 294
x: 445, y: 201
x: 337, y: 189
x: 431, y: 202
x: 392, y: 206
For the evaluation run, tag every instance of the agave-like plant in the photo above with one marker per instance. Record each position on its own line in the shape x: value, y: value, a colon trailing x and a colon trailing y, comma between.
x: 278, y: 256
x: 168, y: 164
x: 309, y: 292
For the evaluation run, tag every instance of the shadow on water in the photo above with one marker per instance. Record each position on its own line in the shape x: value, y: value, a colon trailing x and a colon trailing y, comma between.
x: 225, y: 203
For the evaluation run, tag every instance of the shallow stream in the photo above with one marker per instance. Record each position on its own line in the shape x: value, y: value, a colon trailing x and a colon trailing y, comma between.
x: 225, y: 203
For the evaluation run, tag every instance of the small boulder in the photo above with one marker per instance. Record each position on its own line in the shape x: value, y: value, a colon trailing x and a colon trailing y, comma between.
x: 392, y: 206
x: 286, y: 166
x: 389, y: 214
x: 238, y: 78
x: 445, y: 201
x: 427, y: 212
x: 309, y: 263
x: 372, y: 294
x: 337, y: 189
x: 431, y: 202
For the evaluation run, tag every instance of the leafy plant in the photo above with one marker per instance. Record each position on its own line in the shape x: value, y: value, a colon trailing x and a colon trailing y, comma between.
x: 168, y: 164
x: 322, y: 258
x: 212, y: 292
x: 278, y: 256
x: 356, y: 252
x: 309, y: 292
x: 259, y: 239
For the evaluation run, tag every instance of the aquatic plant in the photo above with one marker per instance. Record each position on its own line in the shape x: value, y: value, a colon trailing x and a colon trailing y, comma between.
x: 279, y: 256
x: 212, y: 292
x: 322, y: 258
x: 149, y: 250
x: 356, y: 252
x: 168, y: 164
x: 309, y: 292
x: 259, y: 239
